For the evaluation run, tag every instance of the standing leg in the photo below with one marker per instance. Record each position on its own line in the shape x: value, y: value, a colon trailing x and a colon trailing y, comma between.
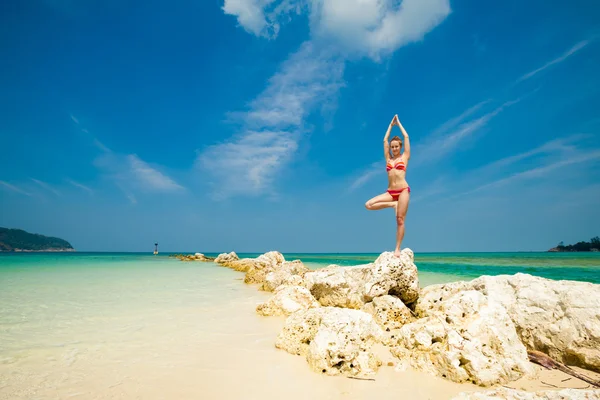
x: 401, y: 210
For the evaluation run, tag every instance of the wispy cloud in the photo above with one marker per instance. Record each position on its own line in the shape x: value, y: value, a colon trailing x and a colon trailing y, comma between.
x: 453, y: 122
x: 560, y: 59
x: 442, y: 143
x: 538, y: 172
x: 14, y: 188
x: 370, y: 172
x: 46, y: 186
x: 129, y: 172
x: 541, y: 161
x: 150, y: 178
x: 274, y: 125
x: 80, y: 186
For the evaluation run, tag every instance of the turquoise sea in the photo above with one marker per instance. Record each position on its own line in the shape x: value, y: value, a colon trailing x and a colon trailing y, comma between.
x: 133, y: 325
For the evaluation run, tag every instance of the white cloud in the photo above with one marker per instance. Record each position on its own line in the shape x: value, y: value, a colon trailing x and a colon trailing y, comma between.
x: 375, y: 27
x: 375, y: 169
x: 560, y: 59
x: 370, y: 27
x: 46, y: 186
x: 80, y: 186
x: 14, y: 188
x: 128, y: 172
x: 437, y: 147
x: 538, y: 172
x: 250, y: 14
x: 454, y: 122
x: 150, y: 178
x: 131, y: 174
x: 541, y: 161
x: 274, y: 125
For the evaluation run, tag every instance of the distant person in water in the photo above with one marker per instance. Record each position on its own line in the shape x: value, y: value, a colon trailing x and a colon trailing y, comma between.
x: 398, y: 192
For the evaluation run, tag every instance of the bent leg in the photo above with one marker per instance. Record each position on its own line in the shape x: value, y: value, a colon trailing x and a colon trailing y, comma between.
x: 401, y: 210
x: 384, y: 200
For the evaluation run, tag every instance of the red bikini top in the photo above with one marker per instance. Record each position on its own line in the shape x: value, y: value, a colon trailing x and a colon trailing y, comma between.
x: 398, y: 165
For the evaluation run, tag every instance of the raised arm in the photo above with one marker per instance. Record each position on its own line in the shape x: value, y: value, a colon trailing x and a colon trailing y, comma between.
x: 386, y: 143
x: 406, y: 140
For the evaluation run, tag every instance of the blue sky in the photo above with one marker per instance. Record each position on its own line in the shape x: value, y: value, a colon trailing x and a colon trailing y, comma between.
x: 256, y: 125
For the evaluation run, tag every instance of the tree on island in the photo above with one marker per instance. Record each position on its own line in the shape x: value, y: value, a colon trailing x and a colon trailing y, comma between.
x: 592, y: 245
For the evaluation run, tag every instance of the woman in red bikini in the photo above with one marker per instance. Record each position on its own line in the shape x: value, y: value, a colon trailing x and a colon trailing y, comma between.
x: 398, y: 193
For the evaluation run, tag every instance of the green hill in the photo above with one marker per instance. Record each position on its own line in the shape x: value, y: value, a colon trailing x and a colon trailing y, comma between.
x: 20, y: 240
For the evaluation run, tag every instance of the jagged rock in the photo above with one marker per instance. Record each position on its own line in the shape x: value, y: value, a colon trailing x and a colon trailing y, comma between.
x: 263, y: 264
x: 241, y: 265
x: 225, y: 258
x: 352, y: 287
x: 467, y: 338
x: 559, y: 318
x: 511, y: 394
x: 287, y: 300
x: 287, y: 273
x: 389, y: 312
x: 333, y: 340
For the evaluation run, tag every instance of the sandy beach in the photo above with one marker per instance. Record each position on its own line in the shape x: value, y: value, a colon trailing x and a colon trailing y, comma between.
x: 187, y: 331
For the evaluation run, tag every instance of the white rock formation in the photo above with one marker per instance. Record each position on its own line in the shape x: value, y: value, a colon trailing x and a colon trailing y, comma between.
x: 287, y: 273
x: 511, y: 394
x: 262, y: 265
x: 559, y: 318
x: 288, y: 300
x: 352, y: 287
x: 389, y: 312
x: 224, y: 257
x: 468, y: 338
x: 333, y: 340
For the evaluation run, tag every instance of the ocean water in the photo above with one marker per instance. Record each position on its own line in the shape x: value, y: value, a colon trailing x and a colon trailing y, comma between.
x: 110, y: 325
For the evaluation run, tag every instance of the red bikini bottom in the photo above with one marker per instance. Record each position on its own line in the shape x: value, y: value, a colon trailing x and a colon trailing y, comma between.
x: 396, y: 193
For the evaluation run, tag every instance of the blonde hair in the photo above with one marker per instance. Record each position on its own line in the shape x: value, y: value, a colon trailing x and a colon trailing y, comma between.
x: 397, y: 138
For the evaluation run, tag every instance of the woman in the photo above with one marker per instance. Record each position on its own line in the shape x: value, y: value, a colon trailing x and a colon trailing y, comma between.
x: 398, y: 193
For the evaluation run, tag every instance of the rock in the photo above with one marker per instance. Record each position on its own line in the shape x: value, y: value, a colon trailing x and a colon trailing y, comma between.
x: 559, y: 318
x: 469, y: 338
x: 288, y: 273
x: 263, y: 264
x: 224, y: 258
x: 402, y: 270
x: 352, y: 287
x: 389, y: 312
x: 287, y: 300
x: 511, y: 394
x: 242, y: 265
x: 334, y: 341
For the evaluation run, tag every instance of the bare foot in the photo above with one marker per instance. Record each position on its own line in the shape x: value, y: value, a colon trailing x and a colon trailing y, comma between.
x: 397, y: 253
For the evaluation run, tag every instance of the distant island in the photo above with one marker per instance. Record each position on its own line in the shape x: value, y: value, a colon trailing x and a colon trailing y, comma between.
x: 592, y: 245
x: 13, y: 240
